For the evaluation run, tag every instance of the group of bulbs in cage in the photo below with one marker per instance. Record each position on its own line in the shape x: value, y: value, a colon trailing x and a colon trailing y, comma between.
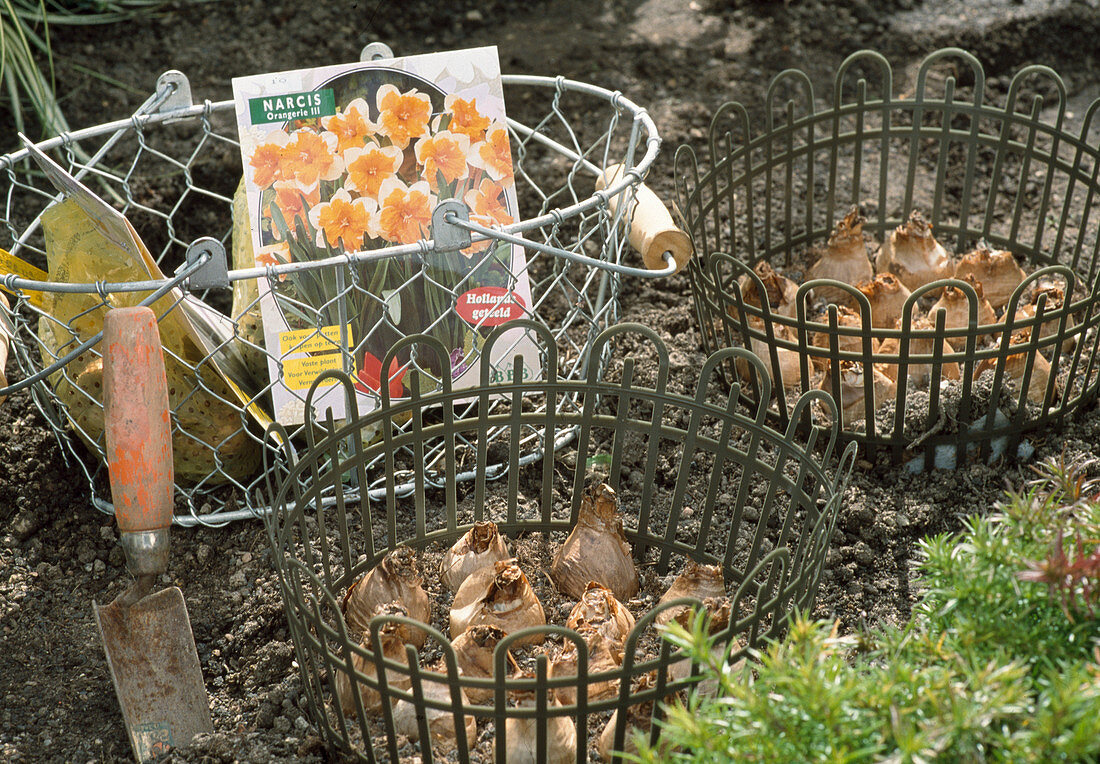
x: 493, y: 597
x: 908, y: 258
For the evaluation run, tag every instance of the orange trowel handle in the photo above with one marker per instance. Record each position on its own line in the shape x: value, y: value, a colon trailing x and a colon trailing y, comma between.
x: 138, y: 428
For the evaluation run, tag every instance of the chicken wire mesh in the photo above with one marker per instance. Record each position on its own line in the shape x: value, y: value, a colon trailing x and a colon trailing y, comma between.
x: 988, y: 177
x: 172, y: 168
x: 696, y: 480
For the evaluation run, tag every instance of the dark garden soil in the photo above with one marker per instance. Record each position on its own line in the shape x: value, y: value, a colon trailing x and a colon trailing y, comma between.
x: 681, y: 59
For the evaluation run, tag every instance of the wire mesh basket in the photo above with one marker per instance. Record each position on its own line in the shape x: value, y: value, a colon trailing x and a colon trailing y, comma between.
x: 171, y: 169
x: 696, y: 480
x: 987, y: 177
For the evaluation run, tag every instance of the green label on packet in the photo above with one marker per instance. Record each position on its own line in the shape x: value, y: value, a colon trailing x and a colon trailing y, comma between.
x: 290, y: 106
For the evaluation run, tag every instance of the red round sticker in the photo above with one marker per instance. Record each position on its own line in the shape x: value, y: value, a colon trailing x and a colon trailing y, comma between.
x: 490, y: 306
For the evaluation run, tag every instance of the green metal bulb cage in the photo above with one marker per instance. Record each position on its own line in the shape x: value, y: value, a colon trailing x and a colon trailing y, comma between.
x: 1011, y: 175
x: 763, y: 506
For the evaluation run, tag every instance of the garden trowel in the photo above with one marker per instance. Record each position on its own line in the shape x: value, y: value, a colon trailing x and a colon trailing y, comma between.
x: 146, y: 635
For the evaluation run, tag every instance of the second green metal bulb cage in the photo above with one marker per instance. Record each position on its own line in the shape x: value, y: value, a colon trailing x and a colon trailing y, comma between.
x: 1009, y: 174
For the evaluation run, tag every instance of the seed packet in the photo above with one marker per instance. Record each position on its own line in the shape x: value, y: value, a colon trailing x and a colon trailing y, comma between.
x: 344, y: 166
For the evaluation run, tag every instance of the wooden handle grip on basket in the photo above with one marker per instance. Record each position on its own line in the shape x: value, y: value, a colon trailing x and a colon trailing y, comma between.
x: 137, y: 425
x: 652, y: 231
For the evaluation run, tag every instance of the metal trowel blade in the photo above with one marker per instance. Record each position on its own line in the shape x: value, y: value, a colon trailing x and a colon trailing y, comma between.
x: 155, y: 669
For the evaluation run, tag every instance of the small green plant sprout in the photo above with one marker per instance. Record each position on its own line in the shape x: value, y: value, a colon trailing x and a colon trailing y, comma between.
x: 991, y: 667
x: 1073, y: 580
x: 1066, y: 481
x: 1071, y: 567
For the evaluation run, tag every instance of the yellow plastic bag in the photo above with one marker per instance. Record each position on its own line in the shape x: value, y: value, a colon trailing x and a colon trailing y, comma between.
x: 246, y: 293
x: 210, y: 441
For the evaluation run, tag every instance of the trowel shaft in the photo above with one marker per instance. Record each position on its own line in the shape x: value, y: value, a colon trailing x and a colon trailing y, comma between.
x: 139, y: 439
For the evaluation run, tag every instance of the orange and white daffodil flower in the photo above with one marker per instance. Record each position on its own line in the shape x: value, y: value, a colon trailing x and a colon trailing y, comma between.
x: 402, y: 116
x: 344, y: 222
x: 494, y: 154
x: 310, y: 157
x: 289, y: 196
x: 405, y: 212
x: 352, y: 125
x: 392, y: 300
x: 490, y: 101
x: 274, y: 254
x: 451, y: 72
x: 479, y: 246
x: 368, y: 166
x: 487, y: 201
x: 443, y: 154
x: 267, y: 159
x: 465, y: 118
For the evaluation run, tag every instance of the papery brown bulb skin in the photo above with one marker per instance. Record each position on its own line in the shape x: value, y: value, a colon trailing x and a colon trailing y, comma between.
x: 887, y: 295
x: 779, y: 290
x: 604, y: 623
x: 844, y: 258
x: 790, y: 366
x: 919, y: 374
x: 912, y: 254
x: 717, y: 610
x: 485, y: 636
x: 638, y: 717
x: 956, y: 306
x: 852, y: 392
x: 717, y: 613
x: 480, y: 546
x: 522, y: 747
x: 596, y: 549
x: 499, y: 596
x: 1055, y: 300
x: 396, y: 578
x: 392, y: 638
x: 603, y: 509
x: 997, y: 272
x: 408, y: 634
x: 847, y: 343
x: 697, y: 580
x: 599, y: 608
x: 521, y: 736
x: 510, y: 582
x: 604, y: 654
x: 1016, y: 367
x: 474, y: 655
x: 441, y: 723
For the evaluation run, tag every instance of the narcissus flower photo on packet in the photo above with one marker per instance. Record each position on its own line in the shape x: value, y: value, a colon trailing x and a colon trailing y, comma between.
x: 353, y: 159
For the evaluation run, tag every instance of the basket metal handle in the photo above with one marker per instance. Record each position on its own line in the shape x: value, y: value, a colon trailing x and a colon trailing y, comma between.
x: 624, y: 270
